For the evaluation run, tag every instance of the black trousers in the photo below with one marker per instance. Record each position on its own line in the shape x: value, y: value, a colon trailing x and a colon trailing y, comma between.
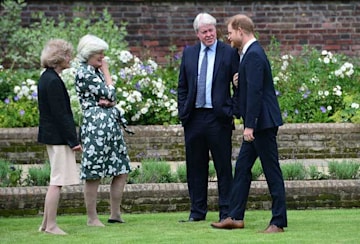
x: 204, y: 133
x: 265, y: 147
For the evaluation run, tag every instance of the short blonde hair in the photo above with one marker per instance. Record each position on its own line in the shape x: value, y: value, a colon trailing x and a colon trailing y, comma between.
x: 241, y: 21
x: 90, y: 45
x: 55, y: 52
x: 203, y: 19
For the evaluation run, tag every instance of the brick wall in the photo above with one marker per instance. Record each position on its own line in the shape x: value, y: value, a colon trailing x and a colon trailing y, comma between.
x: 141, y: 198
x: 154, y: 25
x: 296, y: 141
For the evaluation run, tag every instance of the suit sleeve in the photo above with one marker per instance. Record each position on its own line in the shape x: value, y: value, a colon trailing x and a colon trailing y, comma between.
x: 182, y: 88
x: 254, y: 66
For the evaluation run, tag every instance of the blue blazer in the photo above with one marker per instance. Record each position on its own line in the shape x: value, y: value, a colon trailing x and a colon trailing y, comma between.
x: 256, y: 101
x: 56, y: 125
x: 225, y: 66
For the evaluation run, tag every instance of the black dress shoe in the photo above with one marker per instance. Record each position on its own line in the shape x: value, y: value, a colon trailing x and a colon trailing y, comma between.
x: 191, y: 220
x: 113, y: 221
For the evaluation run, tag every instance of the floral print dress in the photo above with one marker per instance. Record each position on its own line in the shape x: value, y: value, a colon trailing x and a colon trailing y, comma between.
x: 104, y: 149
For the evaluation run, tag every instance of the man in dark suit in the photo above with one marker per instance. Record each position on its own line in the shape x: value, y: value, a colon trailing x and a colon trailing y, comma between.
x: 205, y: 110
x: 258, y: 106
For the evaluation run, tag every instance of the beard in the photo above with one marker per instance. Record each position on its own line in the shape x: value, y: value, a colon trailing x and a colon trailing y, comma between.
x: 236, y: 44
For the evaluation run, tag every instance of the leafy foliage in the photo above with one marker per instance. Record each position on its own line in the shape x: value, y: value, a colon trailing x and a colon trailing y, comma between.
x: 314, y: 86
x: 293, y: 171
x: 344, y: 170
x: 256, y: 170
x: 38, y: 175
x: 153, y: 171
x: 10, y: 175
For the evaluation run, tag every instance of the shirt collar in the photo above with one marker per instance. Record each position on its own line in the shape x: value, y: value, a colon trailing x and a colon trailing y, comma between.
x: 212, y: 47
x: 247, y: 45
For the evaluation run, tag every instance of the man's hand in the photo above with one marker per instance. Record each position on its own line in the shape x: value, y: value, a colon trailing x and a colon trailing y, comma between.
x: 249, y: 134
x: 235, y: 79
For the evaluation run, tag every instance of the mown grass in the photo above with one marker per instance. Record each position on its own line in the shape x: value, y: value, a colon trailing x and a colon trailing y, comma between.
x: 305, y: 226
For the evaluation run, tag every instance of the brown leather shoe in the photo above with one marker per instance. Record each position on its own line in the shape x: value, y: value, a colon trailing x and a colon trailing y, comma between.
x: 273, y: 229
x: 229, y: 224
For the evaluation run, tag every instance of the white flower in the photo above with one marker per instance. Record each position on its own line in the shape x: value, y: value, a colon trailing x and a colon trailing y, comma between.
x: 17, y: 89
x: 349, y: 73
x: 324, y: 52
x: 125, y: 56
x: 355, y: 105
x: 337, y: 91
x: 144, y: 110
x: 326, y: 60
x: 329, y: 108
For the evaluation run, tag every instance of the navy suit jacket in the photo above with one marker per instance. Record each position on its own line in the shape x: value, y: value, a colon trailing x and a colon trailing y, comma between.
x: 256, y: 101
x: 56, y: 125
x: 225, y: 66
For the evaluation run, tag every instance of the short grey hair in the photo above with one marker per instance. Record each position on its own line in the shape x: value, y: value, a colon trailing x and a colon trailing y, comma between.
x: 89, y: 45
x: 203, y: 19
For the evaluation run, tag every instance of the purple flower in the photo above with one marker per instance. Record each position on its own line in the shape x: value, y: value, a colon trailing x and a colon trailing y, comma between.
x: 137, y: 86
x: 285, y: 114
x: 323, y: 109
x: 7, y: 100
x: 172, y: 91
x: 277, y: 93
x: 34, y: 94
x: 122, y: 73
x: 296, y: 111
x: 306, y: 94
x: 16, y: 98
x: 149, y: 69
x: 21, y: 112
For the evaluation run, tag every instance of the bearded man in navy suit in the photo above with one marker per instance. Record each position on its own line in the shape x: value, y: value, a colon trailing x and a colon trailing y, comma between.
x: 205, y: 107
x: 257, y: 105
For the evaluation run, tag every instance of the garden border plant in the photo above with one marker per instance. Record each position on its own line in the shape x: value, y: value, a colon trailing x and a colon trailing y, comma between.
x: 314, y: 86
x: 159, y: 171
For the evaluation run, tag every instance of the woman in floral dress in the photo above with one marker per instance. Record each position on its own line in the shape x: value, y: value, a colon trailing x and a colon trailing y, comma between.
x: 104, y: 150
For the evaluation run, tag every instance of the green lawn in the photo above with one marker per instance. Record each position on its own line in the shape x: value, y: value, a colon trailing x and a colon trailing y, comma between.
x: 305, y: 226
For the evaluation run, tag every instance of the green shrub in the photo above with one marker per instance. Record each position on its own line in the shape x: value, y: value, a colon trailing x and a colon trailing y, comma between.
x: 344, y: 170
x: 212, y: 171
x: 181, y: 173
x: 9, y: 175
x: 38, y: 175
x: 153, y: 171
x: 314, y: 86
x: 315, y: 174
x: 293, y: 171
x: 256, y: 170
x: 134, y: 175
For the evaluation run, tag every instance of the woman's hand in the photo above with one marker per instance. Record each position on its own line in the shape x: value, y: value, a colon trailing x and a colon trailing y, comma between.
x: 105, y: 103
x: 105, y: 69
x: 77, y: 148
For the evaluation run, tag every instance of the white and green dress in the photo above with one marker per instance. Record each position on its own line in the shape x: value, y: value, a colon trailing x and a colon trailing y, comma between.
x: 104, y: 149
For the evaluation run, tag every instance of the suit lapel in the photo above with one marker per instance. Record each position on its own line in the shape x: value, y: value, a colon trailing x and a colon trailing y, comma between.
x: 218, y: 58
x: 195, y: 59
